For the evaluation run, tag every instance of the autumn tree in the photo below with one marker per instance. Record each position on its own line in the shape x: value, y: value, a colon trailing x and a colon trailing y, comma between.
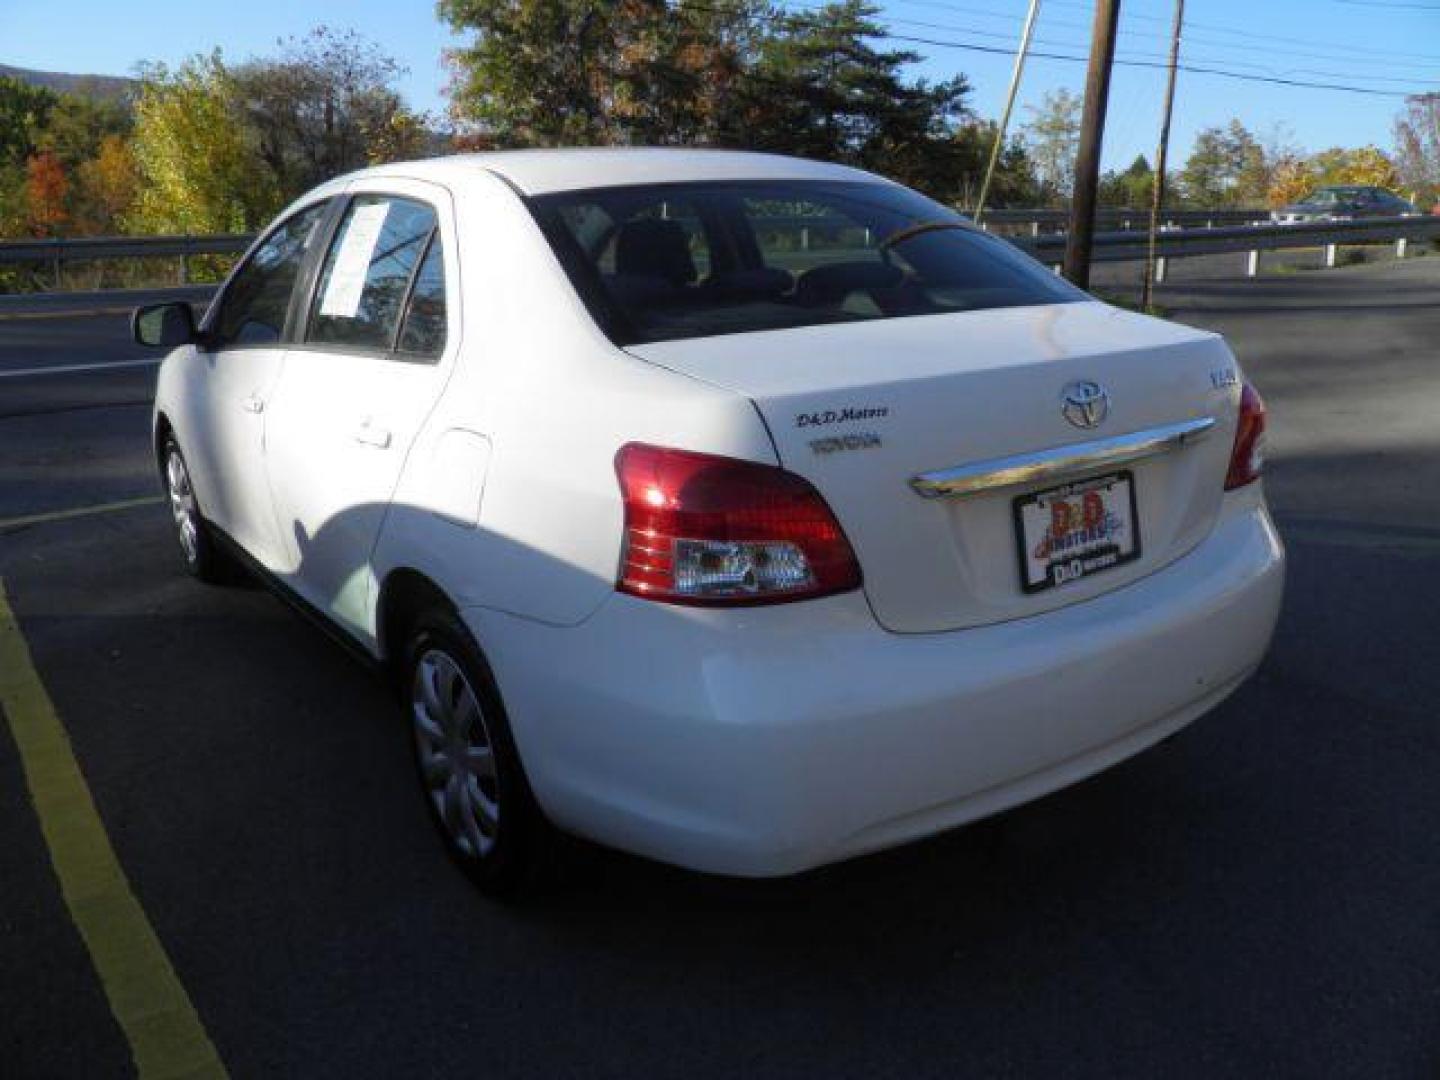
x: 1226, y: 167
x: 108, y: 185
x: 549, y: 72
x: 1014, y: 182
x: 822, y: 87
x: 1131, y: 188
x: 24, y: 112
x: 46, y: 188
x: 198, y: 159
x: 1417, y: 147
x: 325, y: 106
x: 586, y: 72
x: 1052, y: 136
x: 1367, y: 165
x: 1297, y: 177
x: 77, y: 126
x: 722, y: 72
x: 1290, y: 182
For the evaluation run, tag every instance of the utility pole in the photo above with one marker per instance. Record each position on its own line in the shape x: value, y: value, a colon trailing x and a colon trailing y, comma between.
x: 1157, y: 197
x: 1009, y: 107
x: 1081, y: 236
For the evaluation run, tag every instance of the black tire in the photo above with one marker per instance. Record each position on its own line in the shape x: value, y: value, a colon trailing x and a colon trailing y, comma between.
x: 202, y: 557
x: 515, y: 846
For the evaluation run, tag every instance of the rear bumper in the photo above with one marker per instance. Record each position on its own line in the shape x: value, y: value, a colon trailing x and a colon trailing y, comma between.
x: 770, y: 740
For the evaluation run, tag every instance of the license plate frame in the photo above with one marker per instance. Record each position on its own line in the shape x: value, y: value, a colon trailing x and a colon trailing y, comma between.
x: 1096, y: 557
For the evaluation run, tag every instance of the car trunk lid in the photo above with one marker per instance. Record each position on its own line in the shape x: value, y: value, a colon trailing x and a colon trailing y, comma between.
x: 863, y: 409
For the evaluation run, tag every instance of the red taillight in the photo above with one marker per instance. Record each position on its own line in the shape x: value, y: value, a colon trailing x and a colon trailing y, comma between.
x: 1247, y: 459
x: 701, y: 529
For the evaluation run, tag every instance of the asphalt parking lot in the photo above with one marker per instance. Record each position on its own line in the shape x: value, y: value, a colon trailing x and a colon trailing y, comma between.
x: 1256, y: 897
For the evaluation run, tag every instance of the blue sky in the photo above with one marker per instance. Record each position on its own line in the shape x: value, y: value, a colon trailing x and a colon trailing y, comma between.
x: 1390, y: 45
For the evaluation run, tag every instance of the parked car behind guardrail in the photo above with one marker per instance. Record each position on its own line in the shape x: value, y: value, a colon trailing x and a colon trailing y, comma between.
x: 1344, y: 203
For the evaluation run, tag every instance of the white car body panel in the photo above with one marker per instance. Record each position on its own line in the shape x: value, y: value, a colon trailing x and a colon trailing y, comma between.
x: 337, y: 437
x: 967, y: 387
x: 768, y: 739
x: 226, y: 425
x: 806, y: 733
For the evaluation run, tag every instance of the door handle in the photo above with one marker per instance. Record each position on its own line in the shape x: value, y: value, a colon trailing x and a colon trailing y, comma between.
x: 252, y: 404
x: 368, y: 435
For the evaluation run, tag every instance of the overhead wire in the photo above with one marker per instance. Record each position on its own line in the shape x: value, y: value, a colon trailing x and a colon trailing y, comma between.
x: 787, y: 15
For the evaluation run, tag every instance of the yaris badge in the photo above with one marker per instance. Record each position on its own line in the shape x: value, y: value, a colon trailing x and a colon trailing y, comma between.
x: 1085, y: 404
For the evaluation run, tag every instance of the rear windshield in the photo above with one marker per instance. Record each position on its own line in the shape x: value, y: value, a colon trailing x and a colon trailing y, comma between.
x: 668, y: 261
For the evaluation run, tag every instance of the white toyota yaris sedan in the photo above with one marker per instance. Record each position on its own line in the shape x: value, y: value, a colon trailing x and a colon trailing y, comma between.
x: 740, y: 511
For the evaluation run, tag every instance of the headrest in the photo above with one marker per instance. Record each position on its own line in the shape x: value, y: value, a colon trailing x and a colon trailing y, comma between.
x: 651, y: 247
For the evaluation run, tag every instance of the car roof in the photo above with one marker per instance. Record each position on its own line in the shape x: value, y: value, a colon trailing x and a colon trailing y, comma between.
x: 541, y: 172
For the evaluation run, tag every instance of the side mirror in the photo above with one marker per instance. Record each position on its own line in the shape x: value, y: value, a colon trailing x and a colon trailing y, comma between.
x: 164, y: 325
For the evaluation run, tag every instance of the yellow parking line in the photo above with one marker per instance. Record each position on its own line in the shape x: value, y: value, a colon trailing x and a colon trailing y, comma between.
x: 79, y: 511
x: 167, y: 1038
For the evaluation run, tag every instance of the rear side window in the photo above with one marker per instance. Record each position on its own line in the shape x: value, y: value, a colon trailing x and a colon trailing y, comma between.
x: 366, y: 277
x: 423, y: 332
x: 666, y: 261
x: 253, y: 309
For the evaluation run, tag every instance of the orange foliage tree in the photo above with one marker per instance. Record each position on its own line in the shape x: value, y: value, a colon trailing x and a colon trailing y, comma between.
x: 46, y: 186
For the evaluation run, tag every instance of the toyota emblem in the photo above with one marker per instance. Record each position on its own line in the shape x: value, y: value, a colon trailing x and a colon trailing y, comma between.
x: 1085, y: 404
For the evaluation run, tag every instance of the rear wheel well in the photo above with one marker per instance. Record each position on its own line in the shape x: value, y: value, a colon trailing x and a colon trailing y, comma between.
x: 404, y: 595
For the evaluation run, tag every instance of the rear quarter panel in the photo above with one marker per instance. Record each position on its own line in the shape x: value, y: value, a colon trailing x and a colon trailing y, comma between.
x: 509, y: 499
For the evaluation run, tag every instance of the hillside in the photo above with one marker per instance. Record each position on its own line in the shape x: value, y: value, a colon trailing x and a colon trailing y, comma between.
x: 101, y: 86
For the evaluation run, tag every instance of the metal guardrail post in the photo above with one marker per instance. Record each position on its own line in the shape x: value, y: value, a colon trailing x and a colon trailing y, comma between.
x: 1160, y: 270
x: 1332, y: 255
x: 1252, y: 263
x: 55, y: 267
x: 1400, y: 246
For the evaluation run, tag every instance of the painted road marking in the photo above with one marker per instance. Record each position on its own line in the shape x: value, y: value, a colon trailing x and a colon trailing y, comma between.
x: 167, y: 1038
x: 79, y: 511
x: 81, y: 313
x: 71, y: 369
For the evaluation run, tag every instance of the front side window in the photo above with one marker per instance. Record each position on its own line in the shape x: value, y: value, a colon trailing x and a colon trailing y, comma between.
x: 366, y: 276
x: 667, y: 261
x: 253, y: 309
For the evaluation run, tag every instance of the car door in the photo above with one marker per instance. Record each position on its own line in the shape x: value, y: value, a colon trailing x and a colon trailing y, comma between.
x: 365, y: 370
x: 235, y: 369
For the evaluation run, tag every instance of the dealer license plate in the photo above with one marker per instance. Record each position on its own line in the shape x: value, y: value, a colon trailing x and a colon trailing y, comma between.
x: 1068, y: 533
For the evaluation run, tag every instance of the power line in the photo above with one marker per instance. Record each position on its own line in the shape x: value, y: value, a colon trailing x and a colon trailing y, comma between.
x: 1385, y: 58
x: 791, y: 17
x: 1383, y: 4
x: 1193, y: 69
x: 1344, y: 46
x: 1132, y: 53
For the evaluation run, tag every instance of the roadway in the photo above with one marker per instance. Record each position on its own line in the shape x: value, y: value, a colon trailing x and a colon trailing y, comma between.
x: 1256, y: 897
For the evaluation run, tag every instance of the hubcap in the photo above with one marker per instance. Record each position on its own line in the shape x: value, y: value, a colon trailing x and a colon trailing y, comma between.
x: 182, y: 505
x: 457, y: 761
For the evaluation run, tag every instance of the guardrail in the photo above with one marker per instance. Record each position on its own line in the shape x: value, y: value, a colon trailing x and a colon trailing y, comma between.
x: 1249, y: 240
x: 56, y: 253
x: 1115, y: 246
x: 1121, y: 220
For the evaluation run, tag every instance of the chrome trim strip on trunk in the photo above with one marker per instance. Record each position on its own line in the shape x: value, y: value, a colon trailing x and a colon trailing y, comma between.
x: 996, y: 473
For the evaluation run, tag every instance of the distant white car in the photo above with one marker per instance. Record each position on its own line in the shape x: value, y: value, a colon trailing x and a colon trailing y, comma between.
x: 740, y: 511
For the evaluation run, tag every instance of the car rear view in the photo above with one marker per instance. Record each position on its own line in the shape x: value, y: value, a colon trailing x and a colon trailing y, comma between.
x: 1009, y: 535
